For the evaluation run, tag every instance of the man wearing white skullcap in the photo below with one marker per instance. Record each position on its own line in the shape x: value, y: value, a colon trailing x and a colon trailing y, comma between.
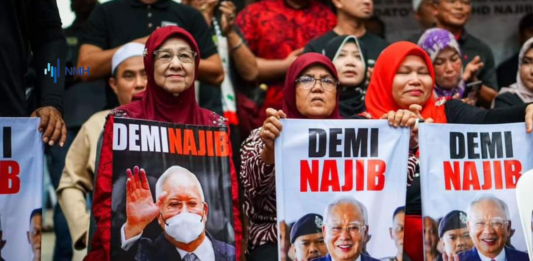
x: 128, y: 79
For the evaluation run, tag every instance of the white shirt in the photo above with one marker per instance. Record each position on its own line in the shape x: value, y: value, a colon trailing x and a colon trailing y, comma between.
x: 204, y: 252
x: 500, y: 257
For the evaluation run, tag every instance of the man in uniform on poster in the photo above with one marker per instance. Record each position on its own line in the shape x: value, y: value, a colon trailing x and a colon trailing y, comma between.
x: 453, y: 233
x: 307, y: 239
x: 345, y: 230
x: 181, y: 211
x: 490, y: 226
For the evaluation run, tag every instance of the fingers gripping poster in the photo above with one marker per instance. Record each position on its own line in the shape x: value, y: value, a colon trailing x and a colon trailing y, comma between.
x: 469, y: 175
x: 339, y: 186
x: 21, y: 181
x: 171, y: 192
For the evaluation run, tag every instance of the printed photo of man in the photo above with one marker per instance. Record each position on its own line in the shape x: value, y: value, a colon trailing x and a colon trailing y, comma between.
x: 307, y: 239
x: 431, y: 239
x: 181, y: 211
x: 34, y: 234
x: 345, y: 230
x: 396, y: 234
x: 490, y: 226
x: 453, y: 233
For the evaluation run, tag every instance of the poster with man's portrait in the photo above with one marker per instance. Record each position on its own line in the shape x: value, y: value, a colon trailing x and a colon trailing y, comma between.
x: 469, y: 176
x: 171, y: 192
x: 21, y: 189
x: 340, y: 189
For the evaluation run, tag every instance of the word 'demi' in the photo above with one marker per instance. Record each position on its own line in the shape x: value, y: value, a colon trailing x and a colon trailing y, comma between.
x: 182, y: 141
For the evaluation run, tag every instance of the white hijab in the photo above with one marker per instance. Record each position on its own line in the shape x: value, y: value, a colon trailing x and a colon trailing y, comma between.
x: 518, y: 88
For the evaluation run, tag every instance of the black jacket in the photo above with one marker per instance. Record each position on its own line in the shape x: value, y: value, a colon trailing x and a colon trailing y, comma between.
x: 31, y: 37
x: 161, y: 249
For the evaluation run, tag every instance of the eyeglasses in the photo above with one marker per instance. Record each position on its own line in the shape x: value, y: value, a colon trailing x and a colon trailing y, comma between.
x: 308, y: 82
x: 496, y: 224
x: 463, y: 2
x: 165, y: 56
x: 352, y: 229
x: 192, y: 205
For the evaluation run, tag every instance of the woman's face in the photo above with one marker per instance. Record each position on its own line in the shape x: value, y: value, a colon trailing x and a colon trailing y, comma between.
x: 316, y: 99
x: 448, y: 67
x: 526, y: 69
x: 350, y: 66
x: 412, y: 83
x: 174, y: 66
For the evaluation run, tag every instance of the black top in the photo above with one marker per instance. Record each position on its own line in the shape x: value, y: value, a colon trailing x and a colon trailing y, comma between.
x: 82, y: 99
x: 507, y: 100
x: 374, y: 45
x: 29, y: 26
x: 507, y: 71
x: 118, y: 22
x: 462, y: 113
x: 470, y: 48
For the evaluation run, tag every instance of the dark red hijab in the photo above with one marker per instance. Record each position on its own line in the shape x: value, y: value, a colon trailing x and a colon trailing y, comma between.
x: 289, y: 89
x: 156, y: 103
x: 379, y: 98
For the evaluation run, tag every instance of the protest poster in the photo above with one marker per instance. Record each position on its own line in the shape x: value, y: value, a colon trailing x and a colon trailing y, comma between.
x: 352, y: 168
x: 524, y: 194
x: 179, y: 193
x: 468, y: 177
x: 21, y: 182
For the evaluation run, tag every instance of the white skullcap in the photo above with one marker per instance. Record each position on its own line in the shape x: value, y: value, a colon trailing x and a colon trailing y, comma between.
x: 126, y: 51
x: 416, y: 5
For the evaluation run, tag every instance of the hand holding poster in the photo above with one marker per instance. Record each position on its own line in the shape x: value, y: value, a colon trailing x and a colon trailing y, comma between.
x: 21, y: 181
x: 171, y: 192
x: 468, y: 178
x: 340, y: 182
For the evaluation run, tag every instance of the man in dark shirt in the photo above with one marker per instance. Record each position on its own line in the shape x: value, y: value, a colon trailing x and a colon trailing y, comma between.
x: 31, y: 32
x: 453, y: 15
x: 351, y: 17
x: 424, y: 13
x: 507, y: 70
x: 116, y: 23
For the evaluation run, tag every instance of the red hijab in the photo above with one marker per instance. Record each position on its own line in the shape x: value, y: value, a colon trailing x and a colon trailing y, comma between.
x: 379, y: 98
x: 156, y: 103
x: 289, y: 89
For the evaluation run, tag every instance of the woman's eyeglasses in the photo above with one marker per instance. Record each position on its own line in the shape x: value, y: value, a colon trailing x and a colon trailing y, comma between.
x: 165, y: 56
x: 308, y: 82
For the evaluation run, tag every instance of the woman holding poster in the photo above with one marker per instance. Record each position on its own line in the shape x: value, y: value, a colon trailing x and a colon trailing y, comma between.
x: 311, y: 92
x: 403, y: 77
x: 171, y: 62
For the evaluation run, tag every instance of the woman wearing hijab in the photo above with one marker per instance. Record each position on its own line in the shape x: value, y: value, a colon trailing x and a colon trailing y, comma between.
x: 169, y: 97
x: 348, y: 57
x: 522, y: 91
x: 450, y: 78
x: 403, y: 78
x: 310, y: 92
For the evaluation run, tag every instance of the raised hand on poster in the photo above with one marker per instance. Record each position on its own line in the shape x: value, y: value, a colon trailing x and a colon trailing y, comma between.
x: 140, y: 207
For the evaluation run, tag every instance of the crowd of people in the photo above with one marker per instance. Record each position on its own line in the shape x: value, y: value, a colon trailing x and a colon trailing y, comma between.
x: 200, y: 62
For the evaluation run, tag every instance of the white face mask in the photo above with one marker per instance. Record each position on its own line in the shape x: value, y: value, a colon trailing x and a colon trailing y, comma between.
x: 185, y: 227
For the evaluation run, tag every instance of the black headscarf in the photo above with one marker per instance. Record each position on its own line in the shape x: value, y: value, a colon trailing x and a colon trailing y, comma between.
x: 352, y: 99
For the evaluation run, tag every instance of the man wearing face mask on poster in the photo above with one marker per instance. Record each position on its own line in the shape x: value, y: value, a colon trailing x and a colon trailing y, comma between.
x: 181, y: 211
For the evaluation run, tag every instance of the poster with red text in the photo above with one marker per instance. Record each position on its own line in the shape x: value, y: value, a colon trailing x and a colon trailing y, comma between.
x: 338, y: 186
x: 21, y: 182
x: 473, y: 171
x: 171, y: 192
